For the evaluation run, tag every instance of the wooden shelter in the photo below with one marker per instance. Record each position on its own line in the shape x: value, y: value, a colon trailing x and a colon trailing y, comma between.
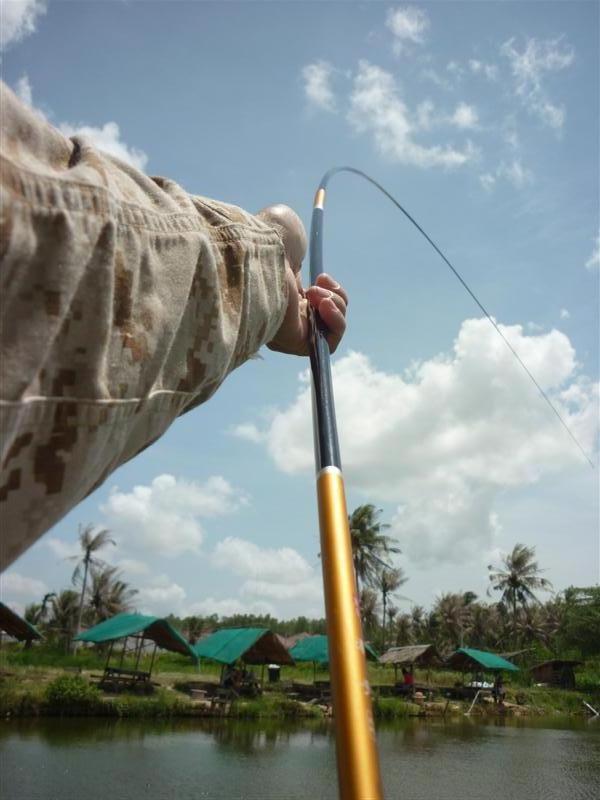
x: 556, y: 672
x: 17, y: 627
x: 138, y: 628
x: 415, y: 655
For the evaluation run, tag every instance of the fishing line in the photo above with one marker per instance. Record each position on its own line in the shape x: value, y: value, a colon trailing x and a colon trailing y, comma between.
x: 316, y: 269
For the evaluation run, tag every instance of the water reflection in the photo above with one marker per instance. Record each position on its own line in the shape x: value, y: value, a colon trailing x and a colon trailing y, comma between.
x: 190, y: 759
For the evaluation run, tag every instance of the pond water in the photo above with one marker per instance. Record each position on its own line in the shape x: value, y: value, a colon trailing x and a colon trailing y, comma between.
x: 460, y: 759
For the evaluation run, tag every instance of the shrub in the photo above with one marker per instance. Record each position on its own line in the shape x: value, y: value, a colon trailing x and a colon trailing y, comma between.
x: 69, y: 694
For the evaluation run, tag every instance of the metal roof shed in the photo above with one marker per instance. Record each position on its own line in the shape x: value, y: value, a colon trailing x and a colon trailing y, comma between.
x: 161, y: 632
x: 251, y: 645
x: 465, y: 658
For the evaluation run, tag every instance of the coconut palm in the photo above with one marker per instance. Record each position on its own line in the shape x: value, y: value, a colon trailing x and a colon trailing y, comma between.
x: 453, y: 618
x: 370, y: 546
x: 91, y: 541
x: 108, y: 593
x: 63, y: 616
x: 403, y: 632
x: 368, y: 610
x: 388, y: 581
x: 518, y: 578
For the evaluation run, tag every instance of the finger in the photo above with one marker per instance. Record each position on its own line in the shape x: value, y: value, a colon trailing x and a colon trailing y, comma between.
x: 316, y: 294
x: 327, y: 282
x: 334, y: 320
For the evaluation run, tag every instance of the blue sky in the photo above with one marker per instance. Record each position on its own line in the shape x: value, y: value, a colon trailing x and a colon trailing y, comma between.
x: 482, y: 118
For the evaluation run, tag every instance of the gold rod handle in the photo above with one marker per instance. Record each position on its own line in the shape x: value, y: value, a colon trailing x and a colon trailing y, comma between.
x: 357, y: 758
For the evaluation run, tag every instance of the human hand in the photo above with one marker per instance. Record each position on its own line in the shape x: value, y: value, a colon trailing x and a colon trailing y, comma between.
x: 326, y: 297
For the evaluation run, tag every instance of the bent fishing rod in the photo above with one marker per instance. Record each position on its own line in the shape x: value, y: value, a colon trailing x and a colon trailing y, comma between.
x: 358, y: 770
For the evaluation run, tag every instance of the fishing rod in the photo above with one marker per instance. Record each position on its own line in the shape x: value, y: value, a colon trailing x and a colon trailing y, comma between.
x: 359, y: 775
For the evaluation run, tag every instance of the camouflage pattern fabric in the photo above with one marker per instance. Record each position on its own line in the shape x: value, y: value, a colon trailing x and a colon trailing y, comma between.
x: 124, y: 303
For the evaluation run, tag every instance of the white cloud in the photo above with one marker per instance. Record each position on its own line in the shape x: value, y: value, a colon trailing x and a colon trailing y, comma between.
x: 465, y: 117
x: 445, y: 439
x: 593, y: 261
x: 535, y: 327
x: 162, y: 598
x: 133, y: 566
x: 13, y: 583
x: 408, y: 25
x: 490, y: 71
x: 23, y: 90
x: 247, y: 559
x: 247, y: 431
x: 565, y: 314
x: 376, y: 107
x: 61, y: 548
x: 309, y: 591
x: 279, y: 574
x: 164, y: 517
x: 108, y: 139
x: 18, y: 19
x: 226, y: 607
x: 514, y: 172
x: 487, y: 180
x: 529, y: 68
x: 317, y: 85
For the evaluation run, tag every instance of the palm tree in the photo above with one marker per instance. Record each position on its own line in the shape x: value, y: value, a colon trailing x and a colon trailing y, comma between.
x: 403, y: 630
x: 368, y: 611
x: 63, y: 616
x: 90, y: 544
x: 369, y: 545
x: 388, y: 581
x: 453, y: 618
x: 108, y: 593
x: 517, y: 579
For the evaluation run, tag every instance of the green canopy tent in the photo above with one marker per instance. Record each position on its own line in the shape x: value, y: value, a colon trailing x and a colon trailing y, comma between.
x: 316, y: 649
x: 139, y: 627
x: 250, y: 645
x: 17, y: 627
x: 466, y: 658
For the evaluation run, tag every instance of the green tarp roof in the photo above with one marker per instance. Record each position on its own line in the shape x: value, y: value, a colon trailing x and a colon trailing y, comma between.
x: 316, y: 649
x: 16, y: 626
x: 252, y: 645
x: 154, y: 628
x: 465, y: 658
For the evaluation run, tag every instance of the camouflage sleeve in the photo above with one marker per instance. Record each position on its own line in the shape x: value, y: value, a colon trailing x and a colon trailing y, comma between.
x: 124, y: 302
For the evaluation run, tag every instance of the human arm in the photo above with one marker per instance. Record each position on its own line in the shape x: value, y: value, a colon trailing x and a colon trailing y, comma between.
x: 125, y: 303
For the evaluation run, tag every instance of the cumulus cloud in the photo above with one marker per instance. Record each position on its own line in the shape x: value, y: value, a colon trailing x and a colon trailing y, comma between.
x: 444, y: 439
x: 249, y: 560
x: 593, y: 261
x: 377, y: 108
x: 62, y: 548
x: 408, y: 26
x: 247, y: 431
x: 108, y: 139
x: 529, y: 68
x: 226, y: 607
x: 272, y: 573
x: 133, y: 566
x: 18, y: 19
x: 565, y: 314
x: 164, y: 517
x: 161, y: 598
x: 318, y: 85
x: 13, y: 583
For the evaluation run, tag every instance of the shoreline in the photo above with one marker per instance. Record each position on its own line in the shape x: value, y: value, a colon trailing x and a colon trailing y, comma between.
x: 46, y: 695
